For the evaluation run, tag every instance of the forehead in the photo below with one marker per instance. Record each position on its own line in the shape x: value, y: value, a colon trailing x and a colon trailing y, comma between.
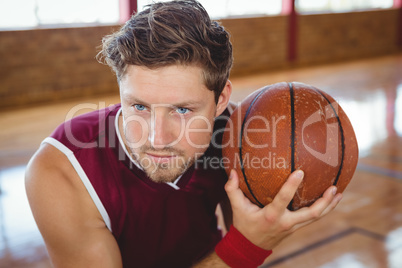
x: 170, y: 84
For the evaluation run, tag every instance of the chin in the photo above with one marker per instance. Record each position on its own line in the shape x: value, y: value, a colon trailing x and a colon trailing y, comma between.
x: 166, y: 171
x: 163, y: 173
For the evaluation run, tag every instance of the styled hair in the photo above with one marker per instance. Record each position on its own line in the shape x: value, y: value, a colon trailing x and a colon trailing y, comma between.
x: 171, y: 33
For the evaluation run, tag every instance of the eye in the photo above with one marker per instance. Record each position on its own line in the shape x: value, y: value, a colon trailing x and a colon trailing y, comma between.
x: 139, y: 107
x: 182, y: 110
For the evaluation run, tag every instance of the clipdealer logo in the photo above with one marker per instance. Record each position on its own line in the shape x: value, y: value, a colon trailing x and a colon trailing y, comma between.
x: 270, y: 160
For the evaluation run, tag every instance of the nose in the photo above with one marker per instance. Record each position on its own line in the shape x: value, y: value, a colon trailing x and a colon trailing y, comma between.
x: 161, y: 133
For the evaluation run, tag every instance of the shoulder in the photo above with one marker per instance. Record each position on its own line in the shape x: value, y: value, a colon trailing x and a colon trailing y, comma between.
x: 53, y: 189
x: 46, y: 159
x: 49, y: 169
x: 64, y: 212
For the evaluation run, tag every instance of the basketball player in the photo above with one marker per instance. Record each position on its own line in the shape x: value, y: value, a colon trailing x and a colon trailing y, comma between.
x: 133, y: 185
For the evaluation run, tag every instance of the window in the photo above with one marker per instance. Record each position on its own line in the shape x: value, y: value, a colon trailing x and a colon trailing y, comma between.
x: 34, y: 13
x: 230, y: 8
x: 304, y: 6
x: 398, y: 111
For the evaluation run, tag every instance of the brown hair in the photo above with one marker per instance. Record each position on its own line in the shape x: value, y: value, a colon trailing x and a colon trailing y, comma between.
x: 176, y: 32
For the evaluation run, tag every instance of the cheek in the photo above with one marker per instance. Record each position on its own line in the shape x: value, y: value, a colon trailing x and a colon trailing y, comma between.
x: 136, y: 131
x: 198, y: 133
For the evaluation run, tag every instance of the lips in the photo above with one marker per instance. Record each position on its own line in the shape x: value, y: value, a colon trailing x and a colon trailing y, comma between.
x: 161, y: 158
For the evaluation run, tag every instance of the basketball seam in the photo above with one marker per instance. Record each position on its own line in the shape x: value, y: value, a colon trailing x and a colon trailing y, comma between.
x: 292, y: 135
x: 241, y: 143
x: 293, y: 127
x: 342, y: 138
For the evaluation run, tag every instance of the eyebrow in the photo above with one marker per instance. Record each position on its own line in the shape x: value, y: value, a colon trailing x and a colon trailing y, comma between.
x: 189, y: 103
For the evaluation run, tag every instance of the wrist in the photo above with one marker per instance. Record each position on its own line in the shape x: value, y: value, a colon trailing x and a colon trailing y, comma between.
x: 238, y: 252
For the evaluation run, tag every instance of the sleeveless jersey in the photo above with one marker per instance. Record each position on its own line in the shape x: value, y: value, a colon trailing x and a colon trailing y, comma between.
x: 154, y: 224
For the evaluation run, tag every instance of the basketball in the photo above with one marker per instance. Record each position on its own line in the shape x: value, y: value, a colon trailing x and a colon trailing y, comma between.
x: 284, y: 127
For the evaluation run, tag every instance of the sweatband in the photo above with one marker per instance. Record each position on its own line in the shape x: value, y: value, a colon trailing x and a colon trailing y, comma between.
x: 237, y: 252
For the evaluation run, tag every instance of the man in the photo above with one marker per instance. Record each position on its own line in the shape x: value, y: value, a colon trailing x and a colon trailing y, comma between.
x: 131, y: 185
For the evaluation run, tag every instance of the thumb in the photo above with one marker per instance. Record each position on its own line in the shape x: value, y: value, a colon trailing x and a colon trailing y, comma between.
x: 233, y: 182
x: 233, y: 191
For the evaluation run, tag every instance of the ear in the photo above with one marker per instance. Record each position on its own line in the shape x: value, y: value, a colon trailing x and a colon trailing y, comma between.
x: 224, y: 98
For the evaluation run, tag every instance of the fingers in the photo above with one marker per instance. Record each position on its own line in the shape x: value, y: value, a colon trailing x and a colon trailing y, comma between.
x: 235, y: 194
x: 233, y: 182
x: 335, y: 201
x: 288, y: 190
x: 326, y: 203
x: 321, y: 207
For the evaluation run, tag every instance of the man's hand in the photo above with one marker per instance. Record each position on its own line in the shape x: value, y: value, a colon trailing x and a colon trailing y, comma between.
x: 267, y: 227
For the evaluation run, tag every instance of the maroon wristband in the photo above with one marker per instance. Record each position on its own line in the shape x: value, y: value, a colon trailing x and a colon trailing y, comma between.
x: 237, y: 252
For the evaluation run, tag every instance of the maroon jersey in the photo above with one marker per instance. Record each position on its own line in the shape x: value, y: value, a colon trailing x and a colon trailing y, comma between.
x: 155, y: 224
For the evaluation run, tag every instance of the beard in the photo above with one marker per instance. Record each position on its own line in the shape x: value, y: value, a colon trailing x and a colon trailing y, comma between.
x: 167, y: 171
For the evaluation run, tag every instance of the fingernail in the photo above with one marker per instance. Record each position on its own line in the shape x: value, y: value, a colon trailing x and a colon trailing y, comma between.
x: 299, y: 174
x: 231, y: 174
x: 334, y: 191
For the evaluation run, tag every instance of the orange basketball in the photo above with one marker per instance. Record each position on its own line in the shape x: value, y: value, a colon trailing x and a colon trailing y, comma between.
x: 284, y: 127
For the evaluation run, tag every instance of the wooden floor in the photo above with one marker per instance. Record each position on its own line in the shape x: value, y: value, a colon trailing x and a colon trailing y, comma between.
x: 364, y: 231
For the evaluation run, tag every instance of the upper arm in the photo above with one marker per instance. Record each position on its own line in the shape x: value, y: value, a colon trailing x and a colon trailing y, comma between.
x: 73, y: 230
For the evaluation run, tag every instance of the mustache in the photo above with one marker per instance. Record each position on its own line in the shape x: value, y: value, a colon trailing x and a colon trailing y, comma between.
x: 167, y: 150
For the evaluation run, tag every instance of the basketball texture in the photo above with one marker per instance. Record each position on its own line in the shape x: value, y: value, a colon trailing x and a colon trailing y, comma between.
x: 284, y: 127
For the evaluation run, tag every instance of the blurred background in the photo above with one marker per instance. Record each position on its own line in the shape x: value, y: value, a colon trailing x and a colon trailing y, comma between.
x: 350, y: 48
x: 48, y: 46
